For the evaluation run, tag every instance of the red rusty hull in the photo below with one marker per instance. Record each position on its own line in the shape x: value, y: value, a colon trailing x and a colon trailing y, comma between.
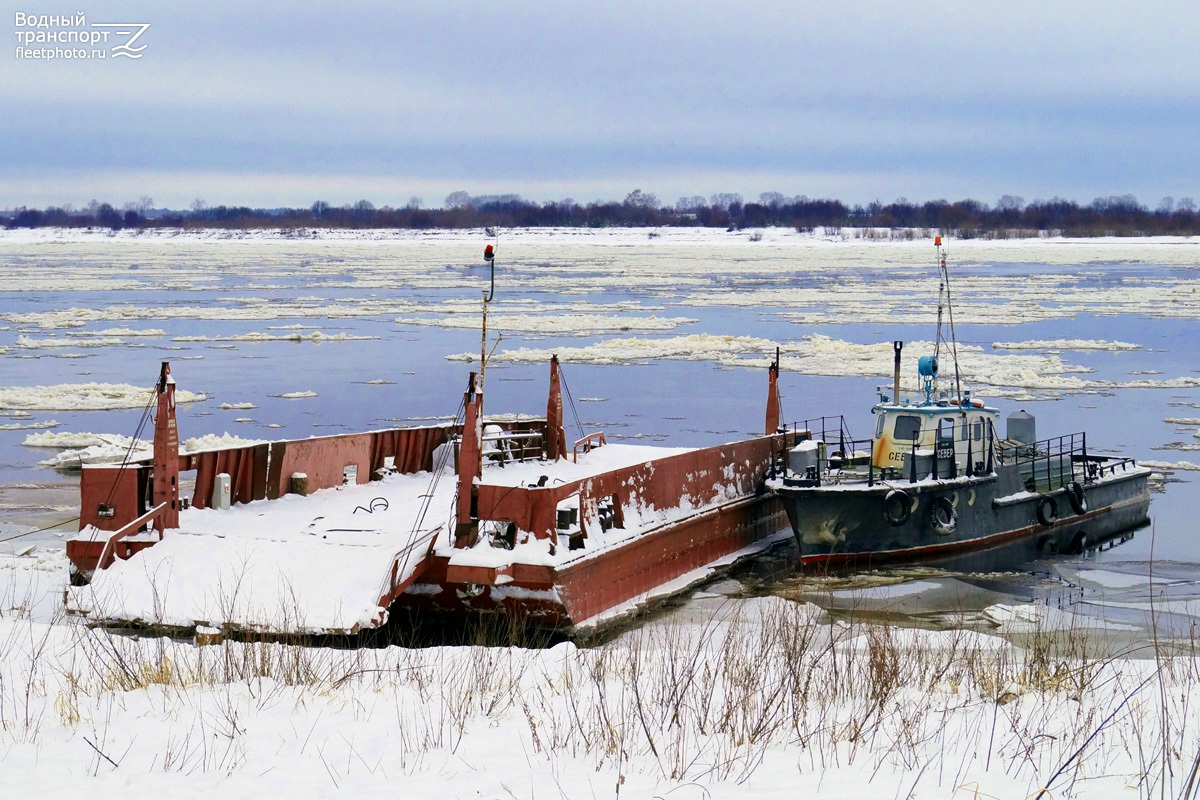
x: 602, y: 588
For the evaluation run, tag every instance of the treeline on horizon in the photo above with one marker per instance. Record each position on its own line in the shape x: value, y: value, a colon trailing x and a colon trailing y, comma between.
x: 1010, y: 217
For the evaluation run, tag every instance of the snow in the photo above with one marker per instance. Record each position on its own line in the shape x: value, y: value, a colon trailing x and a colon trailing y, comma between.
x: 317, y: 563
x: 764, y: 699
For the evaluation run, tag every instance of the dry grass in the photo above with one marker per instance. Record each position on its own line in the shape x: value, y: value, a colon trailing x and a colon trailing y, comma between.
x: 697, y: 702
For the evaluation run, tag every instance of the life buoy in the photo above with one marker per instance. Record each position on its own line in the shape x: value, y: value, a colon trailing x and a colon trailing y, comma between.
x: 896, y: 508
x: 1077, y: 498
x: 942, y: 516
x: 1047, y: 510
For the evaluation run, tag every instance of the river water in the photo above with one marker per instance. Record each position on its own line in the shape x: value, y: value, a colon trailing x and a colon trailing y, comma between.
x: 663, y: 335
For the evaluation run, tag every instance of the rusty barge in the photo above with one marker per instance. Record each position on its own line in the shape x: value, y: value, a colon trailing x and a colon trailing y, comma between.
x: 336, y: 534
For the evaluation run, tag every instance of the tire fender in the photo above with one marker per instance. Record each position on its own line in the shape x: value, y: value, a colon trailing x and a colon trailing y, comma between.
x: 1077, y: 498
x: 1047, y: 510
x: 942, y: 516
x: 896, y: 507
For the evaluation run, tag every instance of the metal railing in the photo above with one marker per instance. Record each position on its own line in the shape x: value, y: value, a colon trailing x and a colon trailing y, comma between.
x: 836, y: 456
x: 1052, y: 463
x: 589, y: 442
x: 512, y: 446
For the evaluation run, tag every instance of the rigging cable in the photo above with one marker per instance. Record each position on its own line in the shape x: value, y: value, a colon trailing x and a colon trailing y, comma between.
x: 574, y: 411
x: 427, y: 498
x: 953, y: 337
x: 137, y: 434
x: 39, y: 530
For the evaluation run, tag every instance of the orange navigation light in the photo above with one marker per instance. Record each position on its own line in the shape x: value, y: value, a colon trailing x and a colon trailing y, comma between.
x: 937, y: 241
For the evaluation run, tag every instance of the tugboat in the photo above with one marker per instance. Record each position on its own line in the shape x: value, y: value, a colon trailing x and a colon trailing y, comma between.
x: 936, y: 478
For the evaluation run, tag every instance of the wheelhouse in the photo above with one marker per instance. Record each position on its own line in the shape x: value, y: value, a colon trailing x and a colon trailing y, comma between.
x: 959, y: 436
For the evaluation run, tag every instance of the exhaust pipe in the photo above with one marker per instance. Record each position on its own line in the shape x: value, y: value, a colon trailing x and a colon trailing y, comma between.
x: 898, y: 345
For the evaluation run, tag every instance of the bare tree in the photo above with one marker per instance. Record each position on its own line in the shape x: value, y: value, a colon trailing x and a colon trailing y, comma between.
x: 1010, y: 203
x: 459, y: 199
x: 772, y: 199
x: 723, y: 200
x: 639, y: 199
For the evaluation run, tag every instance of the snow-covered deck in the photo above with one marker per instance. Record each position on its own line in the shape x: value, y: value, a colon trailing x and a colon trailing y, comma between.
x: 323, y: 562
x: 314, y: 563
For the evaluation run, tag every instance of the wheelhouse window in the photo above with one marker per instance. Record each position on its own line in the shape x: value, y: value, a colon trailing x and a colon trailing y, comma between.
x: 908, y: 428
x: 945, y: 429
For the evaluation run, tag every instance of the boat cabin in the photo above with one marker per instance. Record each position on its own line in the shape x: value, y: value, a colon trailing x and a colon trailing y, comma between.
x: 958, y: 436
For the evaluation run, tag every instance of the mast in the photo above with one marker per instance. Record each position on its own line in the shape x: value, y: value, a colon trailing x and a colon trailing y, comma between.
x: 166, y: 450
x: 773, y: 405
x: 944, y: 288
x: 489, y: 255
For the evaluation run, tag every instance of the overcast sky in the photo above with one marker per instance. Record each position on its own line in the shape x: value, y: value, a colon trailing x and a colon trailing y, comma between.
x: 265, y: 104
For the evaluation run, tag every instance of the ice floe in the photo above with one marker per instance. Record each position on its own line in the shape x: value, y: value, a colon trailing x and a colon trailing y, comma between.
x: 26, y: 426
x: 83, y: 397
x: 1066, y: 344
x: 575, y: 324
x: 315, y: 336
x: 31, y: 343
x: 1167, y: 466
x: 79, y: 449
x: 817, y: 354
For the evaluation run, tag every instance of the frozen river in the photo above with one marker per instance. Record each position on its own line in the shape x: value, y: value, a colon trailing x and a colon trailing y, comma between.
x: 664, y: 336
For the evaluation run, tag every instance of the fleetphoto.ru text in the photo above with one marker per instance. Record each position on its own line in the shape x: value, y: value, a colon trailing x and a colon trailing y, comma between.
x: 50, y: 37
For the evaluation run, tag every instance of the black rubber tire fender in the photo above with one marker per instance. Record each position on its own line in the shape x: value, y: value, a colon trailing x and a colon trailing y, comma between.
x: 1077, y: 498
x: 896, y: 507
x: 942, y: 516
x: 1047, y: 510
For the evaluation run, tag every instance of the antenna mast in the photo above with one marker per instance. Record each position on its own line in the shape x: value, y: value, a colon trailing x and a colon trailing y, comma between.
x: 944, y: 292
x: 489, y: 255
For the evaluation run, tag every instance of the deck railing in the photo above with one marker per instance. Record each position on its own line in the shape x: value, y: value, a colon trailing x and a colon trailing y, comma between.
x: 1051, y: 463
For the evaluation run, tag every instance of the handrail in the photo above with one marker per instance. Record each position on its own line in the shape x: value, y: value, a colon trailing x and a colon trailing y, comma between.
x: 124, y: 531
x: 596, y: 439
x: 393, y: 585
x: 1054, y: 459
